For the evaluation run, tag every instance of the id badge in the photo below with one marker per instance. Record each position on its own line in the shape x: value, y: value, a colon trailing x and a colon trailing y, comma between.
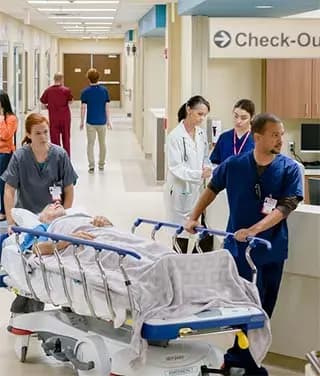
x: 55, y: 192
x: 268, y: 205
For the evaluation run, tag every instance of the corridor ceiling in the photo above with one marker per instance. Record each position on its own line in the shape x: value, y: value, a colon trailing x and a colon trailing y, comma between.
x: 111, y: 19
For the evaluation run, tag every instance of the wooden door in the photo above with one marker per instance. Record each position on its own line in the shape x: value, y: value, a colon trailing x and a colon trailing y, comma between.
x: 75, y: 67
x: 316, y: 89
x: 109, y: 68
x: 288, y: 87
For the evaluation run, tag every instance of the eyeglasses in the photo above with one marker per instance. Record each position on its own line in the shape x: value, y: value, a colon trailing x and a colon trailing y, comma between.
x: 257, y: 191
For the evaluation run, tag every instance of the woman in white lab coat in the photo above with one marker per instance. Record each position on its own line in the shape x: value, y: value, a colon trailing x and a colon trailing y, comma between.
x: 188, y: 164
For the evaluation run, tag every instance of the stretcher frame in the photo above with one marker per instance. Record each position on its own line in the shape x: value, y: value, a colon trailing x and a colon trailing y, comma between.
x: 148, y: 331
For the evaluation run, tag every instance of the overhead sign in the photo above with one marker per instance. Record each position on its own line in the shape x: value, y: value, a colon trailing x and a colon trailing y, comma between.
x: 264, y: 38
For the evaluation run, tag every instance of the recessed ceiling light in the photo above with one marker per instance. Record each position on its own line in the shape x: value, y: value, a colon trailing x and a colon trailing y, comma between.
x: 69, y: 23
x: 76, y: 10
x: 264, y: 6
x: 98, y: 23
x: 86, y: 27
x: 84, y: 17
x: 73, y: 2
x: 83, y: 23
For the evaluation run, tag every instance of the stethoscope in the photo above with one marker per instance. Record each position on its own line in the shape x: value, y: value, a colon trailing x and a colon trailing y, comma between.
x: 185, y: 155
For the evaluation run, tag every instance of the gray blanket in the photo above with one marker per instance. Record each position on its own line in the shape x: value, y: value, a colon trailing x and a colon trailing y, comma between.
x: 167, y: 285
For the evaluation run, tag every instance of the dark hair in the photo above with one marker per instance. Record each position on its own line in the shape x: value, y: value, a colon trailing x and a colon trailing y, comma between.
x: 93, y: 75
x: 247, y: 105
x: 31, y: 120
x: 260, y: 120
x: 5, y: 104
x: 192, y: 103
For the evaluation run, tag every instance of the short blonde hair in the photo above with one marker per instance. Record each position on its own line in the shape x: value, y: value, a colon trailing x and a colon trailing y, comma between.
x: 58, y: 77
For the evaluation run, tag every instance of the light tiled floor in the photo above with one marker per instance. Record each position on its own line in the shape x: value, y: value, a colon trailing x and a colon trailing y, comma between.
x: 122, y: 192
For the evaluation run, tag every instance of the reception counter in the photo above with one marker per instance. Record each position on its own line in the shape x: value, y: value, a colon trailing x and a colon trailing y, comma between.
x: 296, y: 320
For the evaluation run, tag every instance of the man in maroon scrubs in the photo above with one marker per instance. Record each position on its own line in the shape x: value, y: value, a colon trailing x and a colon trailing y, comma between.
x: 57, y: 98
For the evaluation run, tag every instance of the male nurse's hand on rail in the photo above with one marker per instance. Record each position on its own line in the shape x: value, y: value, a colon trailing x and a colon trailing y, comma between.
x: 190, y: 225
x: 206, y: 172
x: 243, y: 234
x: 101, y: 221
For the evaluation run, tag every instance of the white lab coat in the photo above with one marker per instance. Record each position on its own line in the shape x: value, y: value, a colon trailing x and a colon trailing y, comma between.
x: 185, y: 159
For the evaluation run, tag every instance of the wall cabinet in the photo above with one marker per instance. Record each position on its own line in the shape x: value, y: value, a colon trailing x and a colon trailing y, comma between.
x: 293, y: 88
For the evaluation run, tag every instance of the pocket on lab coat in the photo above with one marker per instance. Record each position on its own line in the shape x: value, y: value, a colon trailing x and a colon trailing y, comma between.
x: 182, y: 202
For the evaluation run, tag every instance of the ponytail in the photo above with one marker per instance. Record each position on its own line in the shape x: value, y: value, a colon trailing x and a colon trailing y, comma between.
x: 26, y: 141
x: 182, y: 113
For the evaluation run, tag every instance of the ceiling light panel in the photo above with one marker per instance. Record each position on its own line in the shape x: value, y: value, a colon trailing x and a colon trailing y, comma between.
x: 83, y: 17
x: 74, y: 2
x: 76, y: 10
x: 85, y: 28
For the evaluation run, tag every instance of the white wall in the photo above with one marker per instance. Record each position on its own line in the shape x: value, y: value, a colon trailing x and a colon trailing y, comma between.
x: 128, y: 81
x: 154, y: 86
x: 230, y: 80
x: 28, y: 38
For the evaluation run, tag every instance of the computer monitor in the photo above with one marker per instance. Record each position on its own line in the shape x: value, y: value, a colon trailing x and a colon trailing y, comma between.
x: 314, y: 191
x: 310, y: 138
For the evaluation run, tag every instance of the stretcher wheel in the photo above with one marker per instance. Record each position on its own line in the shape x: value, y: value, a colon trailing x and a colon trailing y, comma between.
x: 21, y: 347
x: 23, y: 355
x: 93, y: 352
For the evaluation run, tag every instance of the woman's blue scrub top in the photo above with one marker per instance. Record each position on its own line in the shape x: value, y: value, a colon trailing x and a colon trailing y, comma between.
x: 282, y: 178
x: 224, y: 147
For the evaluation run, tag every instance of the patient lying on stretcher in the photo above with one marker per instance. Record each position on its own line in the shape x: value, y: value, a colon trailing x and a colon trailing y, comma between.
x: 163, y: 283
x: 50, y: 213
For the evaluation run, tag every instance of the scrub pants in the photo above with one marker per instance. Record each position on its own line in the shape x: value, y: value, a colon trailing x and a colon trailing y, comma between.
x: 4, y: 161
x: 92, y: 130
x: 268, y: 283
x: 62, y: 128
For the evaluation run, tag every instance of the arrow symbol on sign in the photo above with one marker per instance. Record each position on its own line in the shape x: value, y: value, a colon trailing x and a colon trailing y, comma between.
x: 222, y: 38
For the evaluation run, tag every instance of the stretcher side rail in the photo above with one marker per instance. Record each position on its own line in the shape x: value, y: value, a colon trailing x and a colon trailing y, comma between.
x: 253, y: 241
x: 76, y: 242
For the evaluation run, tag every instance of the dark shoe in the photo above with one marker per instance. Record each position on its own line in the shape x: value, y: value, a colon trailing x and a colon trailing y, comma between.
x: 91, y: 170
x: 231, y: 370
x: 256, y: 372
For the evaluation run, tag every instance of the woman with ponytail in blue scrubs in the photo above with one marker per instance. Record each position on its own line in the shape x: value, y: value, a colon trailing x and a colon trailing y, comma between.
x: 263, y: 188
x: 239, y: 139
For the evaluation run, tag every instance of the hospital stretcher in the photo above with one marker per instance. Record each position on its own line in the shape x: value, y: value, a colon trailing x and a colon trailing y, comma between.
x: 94, y: 347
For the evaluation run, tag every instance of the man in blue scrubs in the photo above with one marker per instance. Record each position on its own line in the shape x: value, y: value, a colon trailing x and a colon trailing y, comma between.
x: 95, y: 108
x: 263, y: 187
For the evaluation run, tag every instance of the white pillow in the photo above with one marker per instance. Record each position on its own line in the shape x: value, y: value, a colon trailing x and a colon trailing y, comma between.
x: 25, y: 218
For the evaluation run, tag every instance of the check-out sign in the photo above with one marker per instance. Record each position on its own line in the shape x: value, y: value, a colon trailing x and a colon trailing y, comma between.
x: 264, y: 38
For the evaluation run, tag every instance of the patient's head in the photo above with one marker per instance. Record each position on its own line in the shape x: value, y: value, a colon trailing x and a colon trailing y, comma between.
x: 51, y: 212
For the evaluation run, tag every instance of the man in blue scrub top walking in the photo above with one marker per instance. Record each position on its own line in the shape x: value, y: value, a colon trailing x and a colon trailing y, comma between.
x: 263, y: 187
x: 95, y: 107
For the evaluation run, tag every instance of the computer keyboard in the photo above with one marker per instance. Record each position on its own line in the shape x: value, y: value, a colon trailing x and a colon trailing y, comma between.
x: 312, y: 165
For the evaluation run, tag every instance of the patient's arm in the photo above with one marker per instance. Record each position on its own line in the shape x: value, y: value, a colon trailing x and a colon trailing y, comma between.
x: 47, y: 248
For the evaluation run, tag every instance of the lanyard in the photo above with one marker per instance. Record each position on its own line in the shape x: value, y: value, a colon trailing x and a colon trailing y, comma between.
x: 241, y: 146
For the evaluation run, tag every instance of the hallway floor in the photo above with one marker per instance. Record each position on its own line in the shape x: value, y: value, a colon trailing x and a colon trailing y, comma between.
x: 123, y: 192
